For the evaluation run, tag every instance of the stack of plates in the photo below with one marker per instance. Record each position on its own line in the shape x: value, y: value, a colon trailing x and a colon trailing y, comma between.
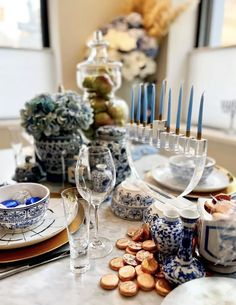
x: 220, y: 180
x: 47, y: 236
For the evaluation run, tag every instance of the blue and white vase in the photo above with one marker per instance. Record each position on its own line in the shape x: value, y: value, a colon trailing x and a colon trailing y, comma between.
x: 113, y: 137
x: 54, y: 154
x: 184, y: 267
x: 167, y: 233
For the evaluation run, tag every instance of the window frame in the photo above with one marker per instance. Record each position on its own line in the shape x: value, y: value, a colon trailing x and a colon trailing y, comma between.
x: 45, y: 40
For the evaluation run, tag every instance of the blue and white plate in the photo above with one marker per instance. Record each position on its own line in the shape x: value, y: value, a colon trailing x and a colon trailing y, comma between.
x: 216, y: 181
x: 52, y: 224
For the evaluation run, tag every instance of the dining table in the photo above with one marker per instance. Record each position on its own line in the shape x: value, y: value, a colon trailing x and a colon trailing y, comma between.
x: 54, y: 283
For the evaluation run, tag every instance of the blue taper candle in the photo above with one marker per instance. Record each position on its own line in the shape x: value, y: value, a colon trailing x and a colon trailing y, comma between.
x: 168, y: 112
x: 145, y: 104
x: 161, y: 101
x: 132, y: 104
x: 153, y: 104
x: 177, y: 128
x: 138, y: 113
x: 200, y: 114
x: 189, y: 117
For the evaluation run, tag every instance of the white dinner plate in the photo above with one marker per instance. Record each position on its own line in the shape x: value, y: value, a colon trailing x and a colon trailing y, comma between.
x: 204, y: 291
x: 217, y: 180
x: 52, y: 224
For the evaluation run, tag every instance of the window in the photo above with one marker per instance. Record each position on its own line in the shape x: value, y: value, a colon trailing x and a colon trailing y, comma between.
x: 23, y: 24
x: 217, y: 23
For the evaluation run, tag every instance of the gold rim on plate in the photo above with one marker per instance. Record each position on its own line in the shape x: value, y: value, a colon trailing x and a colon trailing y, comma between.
x: 15, y: 255
x: 194, y: 195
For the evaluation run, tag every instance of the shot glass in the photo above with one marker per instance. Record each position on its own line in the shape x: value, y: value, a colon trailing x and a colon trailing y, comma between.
x: 77, y: 219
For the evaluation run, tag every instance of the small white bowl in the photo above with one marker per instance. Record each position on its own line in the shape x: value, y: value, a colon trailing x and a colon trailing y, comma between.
x: 24, y: 216
x: 183, y: 167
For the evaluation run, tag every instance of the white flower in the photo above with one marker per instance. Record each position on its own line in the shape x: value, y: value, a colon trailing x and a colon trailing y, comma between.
x: 148, y: 43
x: 137, y: 33
x: 134, y: 19
x: 137, y: 65
x: 120, y: 40
x: 130, y: 70
x: 148, y: 69
x: 133, y: 63
x: 138, y: 58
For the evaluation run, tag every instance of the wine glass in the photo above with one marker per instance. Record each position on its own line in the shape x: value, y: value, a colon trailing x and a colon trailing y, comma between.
x: 95, y: 179
x: 16, y: 143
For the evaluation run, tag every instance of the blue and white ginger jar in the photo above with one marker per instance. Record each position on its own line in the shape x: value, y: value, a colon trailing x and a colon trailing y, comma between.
x: 167, y: 232
x: 113, y: 137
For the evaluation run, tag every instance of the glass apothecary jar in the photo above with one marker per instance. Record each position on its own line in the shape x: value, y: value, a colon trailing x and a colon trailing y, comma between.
x: 99, y: 78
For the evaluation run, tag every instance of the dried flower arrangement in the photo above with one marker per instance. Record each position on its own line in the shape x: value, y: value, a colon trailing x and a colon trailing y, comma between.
x: 134, y: 38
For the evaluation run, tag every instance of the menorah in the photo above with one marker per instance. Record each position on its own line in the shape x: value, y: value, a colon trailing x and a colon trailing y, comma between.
x: 157, y: 132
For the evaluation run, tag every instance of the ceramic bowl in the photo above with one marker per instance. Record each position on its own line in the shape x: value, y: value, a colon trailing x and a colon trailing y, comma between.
x: 217, y: 241
x: 129, y: 202
x: 25, y: 216
x: 182, y: 167
x: 127, y: 212
x: 130, y: 195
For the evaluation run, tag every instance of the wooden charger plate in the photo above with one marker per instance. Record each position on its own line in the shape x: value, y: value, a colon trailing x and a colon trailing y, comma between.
x: 195, y: 195
x: 15, y: 255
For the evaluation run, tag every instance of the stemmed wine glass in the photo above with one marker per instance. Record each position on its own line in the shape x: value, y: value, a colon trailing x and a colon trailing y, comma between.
x: 95, y: 179
x: 16, y: 143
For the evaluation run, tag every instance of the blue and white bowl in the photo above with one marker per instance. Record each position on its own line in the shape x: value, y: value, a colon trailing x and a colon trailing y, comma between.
x: 130, y: 195
x: 127, y: 212
x: 129, y: 202
x: 23, y: 217
x: 183, y: 167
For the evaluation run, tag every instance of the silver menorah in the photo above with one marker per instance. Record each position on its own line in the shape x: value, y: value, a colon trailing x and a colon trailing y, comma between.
x: 229, y: 106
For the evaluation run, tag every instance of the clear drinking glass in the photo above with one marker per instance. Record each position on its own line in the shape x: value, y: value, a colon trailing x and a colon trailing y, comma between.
x: 77, y: 218
x: 16, y: 143
x: 95, y: 179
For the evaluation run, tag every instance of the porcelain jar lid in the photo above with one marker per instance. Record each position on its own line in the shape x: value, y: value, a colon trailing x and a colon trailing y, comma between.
x: 110, y: 132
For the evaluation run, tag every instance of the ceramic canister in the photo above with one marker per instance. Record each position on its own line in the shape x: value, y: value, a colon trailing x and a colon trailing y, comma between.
x: 113, y: 137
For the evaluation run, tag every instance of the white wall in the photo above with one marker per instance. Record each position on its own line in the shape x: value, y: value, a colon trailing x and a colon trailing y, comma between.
x: 180, y: 42
x: 213, y: 71
x: 71, y: 23
x: 23, y: 74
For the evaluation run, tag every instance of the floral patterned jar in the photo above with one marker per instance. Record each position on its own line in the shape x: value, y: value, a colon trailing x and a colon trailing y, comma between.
x: 99, y: 78
x: 167, y: 233
x: 113, y: 137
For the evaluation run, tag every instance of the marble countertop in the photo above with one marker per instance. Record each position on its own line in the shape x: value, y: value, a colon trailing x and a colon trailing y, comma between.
x: 53, y: 283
